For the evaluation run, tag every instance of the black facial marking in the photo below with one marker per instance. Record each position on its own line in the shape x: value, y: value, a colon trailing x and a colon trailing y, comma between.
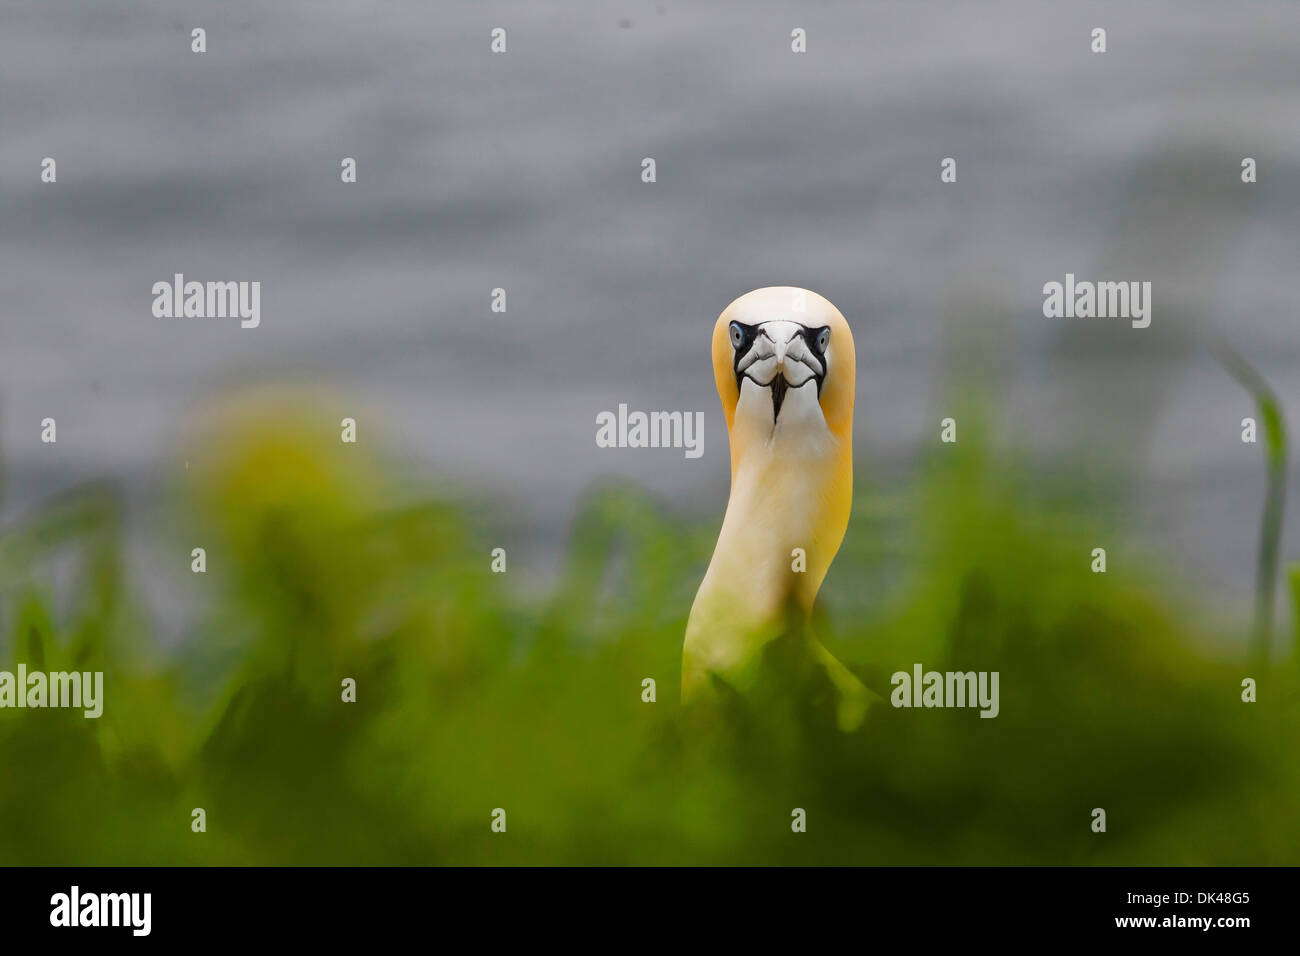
x: 779, y: 387
x: 742, y: 340
x: 818, y: 339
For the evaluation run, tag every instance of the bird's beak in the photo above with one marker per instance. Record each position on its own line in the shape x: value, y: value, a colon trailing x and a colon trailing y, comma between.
x: 777, y: 357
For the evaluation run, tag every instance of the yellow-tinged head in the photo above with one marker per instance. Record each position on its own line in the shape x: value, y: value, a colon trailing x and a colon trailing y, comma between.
x: 773, y: 343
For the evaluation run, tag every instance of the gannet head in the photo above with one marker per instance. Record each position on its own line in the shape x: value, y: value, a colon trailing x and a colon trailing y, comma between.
x: 783, y: 361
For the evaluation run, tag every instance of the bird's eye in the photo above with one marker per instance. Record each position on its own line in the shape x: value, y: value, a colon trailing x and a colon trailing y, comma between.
x: 822, y: 339
x: 737, y: 335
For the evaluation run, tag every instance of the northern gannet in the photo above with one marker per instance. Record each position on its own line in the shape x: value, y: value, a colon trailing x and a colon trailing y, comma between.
x: 784, y: 364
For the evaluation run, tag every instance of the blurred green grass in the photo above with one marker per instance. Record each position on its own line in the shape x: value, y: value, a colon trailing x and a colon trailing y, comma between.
x: 325, y: 562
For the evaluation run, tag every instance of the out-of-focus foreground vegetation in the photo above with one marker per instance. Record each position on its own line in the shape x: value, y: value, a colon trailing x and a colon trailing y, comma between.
x: 323, y: 564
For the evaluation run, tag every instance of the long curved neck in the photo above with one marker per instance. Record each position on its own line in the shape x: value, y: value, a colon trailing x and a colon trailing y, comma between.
x: 789, y: 504
x: 790, y: 496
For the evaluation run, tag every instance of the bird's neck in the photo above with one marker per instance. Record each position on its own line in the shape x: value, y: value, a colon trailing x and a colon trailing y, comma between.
x: 791, y: 488
x: 785, y: 517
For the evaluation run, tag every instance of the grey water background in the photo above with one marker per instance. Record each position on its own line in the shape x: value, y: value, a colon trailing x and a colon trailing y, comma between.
x: 522, y: 171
